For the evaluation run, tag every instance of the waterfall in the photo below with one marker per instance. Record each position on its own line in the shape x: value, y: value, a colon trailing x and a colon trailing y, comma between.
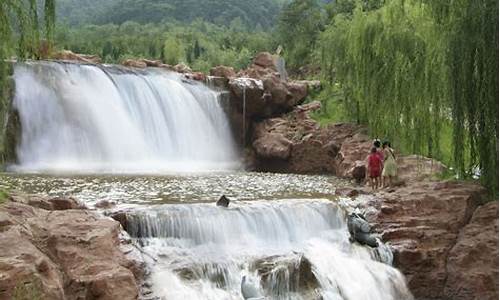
x: 85, y: 118
x: 287, y: 249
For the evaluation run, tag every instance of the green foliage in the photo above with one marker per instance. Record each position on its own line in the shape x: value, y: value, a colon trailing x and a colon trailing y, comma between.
x: 424, y: 74
x: 251, y: 13
x: 201, y: 45
x: 173, y: 51
x: 3, y: 196
x: 299, y: 25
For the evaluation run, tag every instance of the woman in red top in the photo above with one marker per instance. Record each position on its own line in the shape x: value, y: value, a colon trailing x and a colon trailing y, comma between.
x: 375, y: 166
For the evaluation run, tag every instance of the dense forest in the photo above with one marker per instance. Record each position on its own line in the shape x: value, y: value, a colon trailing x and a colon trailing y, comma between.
x: 252, y: 13
x: 423, y: 74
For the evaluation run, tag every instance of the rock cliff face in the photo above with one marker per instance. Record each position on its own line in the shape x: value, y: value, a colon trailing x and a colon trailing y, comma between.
x: 444, y: 240
x: 55, y: 249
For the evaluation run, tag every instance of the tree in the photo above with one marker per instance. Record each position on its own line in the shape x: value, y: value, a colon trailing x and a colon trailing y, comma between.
x: 298, y: 27
x: 173, y: 51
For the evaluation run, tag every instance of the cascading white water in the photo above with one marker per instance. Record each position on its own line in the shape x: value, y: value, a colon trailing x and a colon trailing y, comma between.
x: 290, y: 249
x: 83, y: 118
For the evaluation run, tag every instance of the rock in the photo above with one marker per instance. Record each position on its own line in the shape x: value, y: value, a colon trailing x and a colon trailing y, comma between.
x: 25, y: 270
x: 295, y: 268
x: 55, y: 203
x: 223, y: 71
x: 62, y: 254
x: 249, y: 93
x: 223, y: 201
x: 273, y: 146
x: 472, y: 264
x: 70, y: 56
x: 122, y: 218
x: 424, y: 222
x: 152, y: 63
x: 358, y: 171
x: 105, y: 204
x: 348, y: 192
x: 166, y: 66
x: 416, y: 167
x: 198, y: 76
x: 265, y: 60
x: 360, y: 230
x: 134, y: 63
x: 182, y: 68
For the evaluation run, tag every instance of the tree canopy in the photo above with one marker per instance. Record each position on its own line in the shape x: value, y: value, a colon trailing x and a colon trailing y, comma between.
x: 252, y: 13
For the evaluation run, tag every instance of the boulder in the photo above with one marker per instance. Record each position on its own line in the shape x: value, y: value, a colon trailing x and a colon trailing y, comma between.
x: 198, y: 76
x: 472, y: 264
x: 134, y: 63
x: 265, y: 60
x: 70, y: 56
x: 182, y: 68
x: 55, y: 203
x: 250, y: 96
x: 62, y: 254
x: 223, y: 71
x: 428, y: 225
x: 273, y: 146
x: 152, y: 63
x: 105, y: 204
x: 223, y: 201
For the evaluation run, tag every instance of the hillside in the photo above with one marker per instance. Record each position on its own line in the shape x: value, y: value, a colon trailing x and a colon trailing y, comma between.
x: 251, y: 12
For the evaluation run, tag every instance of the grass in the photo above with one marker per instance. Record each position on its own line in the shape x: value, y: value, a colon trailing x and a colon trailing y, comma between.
x: 4, y: 195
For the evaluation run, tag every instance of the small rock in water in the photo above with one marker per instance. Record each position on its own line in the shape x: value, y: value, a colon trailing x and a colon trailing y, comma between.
x: 360, y: 230
x: 249, y: 290
x: 105, y: 204
x: 223, y: 201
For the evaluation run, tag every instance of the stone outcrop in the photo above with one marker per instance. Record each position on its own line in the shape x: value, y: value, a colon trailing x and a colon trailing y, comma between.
x: 261, y: 90
x: 53, y: 249
x: 223, y: 71
x: 132, y: 63
x: 443, y: 241
x: 472, y: 265
x: 68, y: 55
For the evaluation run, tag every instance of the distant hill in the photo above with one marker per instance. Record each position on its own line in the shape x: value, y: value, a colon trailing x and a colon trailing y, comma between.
x: 252, y: 13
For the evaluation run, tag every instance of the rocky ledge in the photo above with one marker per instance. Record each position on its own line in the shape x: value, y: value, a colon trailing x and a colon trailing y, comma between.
x: 54, y: 248
x: 443, y: 235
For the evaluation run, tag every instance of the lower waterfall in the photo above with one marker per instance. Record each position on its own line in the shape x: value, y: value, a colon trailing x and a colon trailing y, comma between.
x: 285, y: 249
x: 105, y: 119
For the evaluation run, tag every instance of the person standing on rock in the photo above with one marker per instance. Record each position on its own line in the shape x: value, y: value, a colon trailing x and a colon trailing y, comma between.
x: 380, y: 152
x: 390, y: 166
x: 375, y: 166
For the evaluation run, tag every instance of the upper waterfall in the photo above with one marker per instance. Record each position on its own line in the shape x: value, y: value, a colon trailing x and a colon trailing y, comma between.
x: 88, y: 118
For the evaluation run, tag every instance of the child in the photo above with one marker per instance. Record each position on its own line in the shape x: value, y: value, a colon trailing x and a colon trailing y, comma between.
x: 380, y: 152
x: 374, y: 168
x: 390, y: 166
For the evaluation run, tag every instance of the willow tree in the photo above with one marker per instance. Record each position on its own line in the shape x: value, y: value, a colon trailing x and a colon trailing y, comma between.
x: 20, y: 36
x: 471, y: 29
x: 413, y: 68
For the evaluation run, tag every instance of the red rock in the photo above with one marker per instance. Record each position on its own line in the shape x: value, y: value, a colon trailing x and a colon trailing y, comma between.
x: 152, y: 63
x: 472, y: 265
x: 273, y: 145
x: 423, y: 224
x: 182, y: 68
x: 134, y: 63
x: 62, y: 254
x: 265, y: 60
x: 70, y: 56
x: 223, y: 71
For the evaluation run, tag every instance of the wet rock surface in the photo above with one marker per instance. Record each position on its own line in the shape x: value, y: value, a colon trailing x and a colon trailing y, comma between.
x: 443, y: 240
x: 58, y: 250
